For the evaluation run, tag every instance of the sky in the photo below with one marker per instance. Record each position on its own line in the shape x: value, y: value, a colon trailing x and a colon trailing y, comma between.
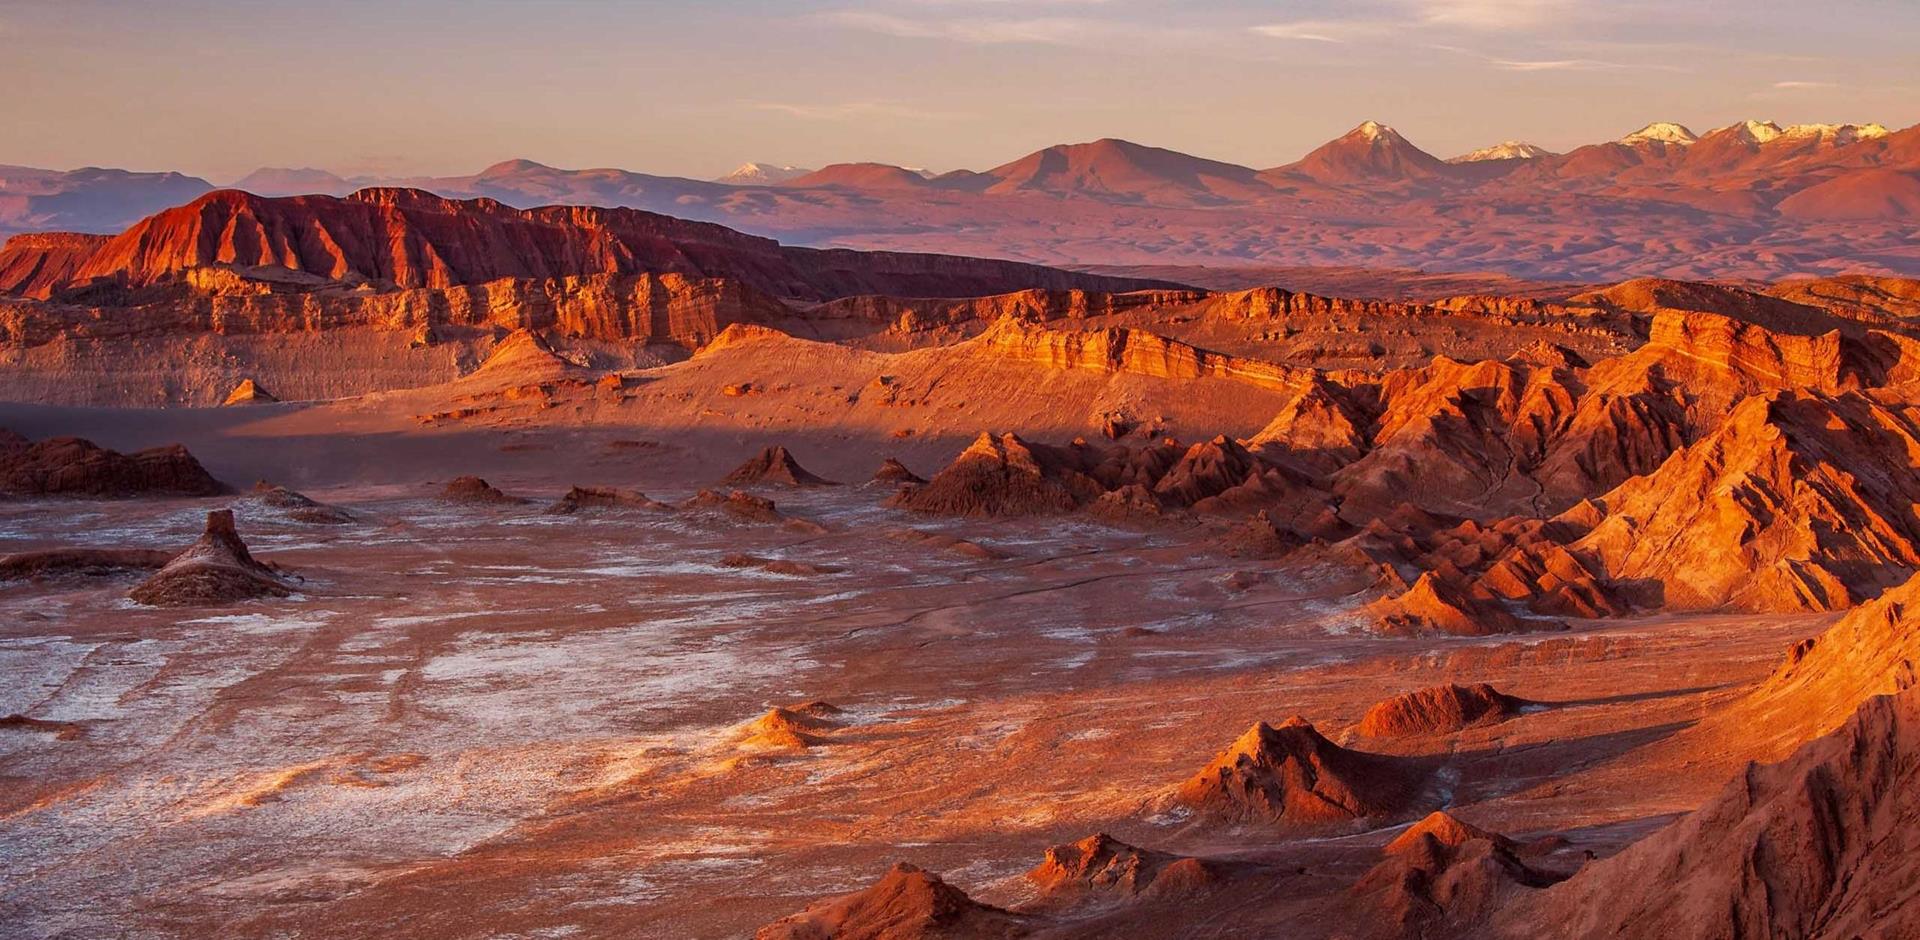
x: 439, y: 87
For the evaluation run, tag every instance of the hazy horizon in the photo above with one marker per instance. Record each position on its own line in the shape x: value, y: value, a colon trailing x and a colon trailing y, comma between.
x: 438, y: 88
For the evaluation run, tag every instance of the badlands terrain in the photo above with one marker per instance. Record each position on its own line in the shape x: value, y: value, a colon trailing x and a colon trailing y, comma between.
x: 385, y: 564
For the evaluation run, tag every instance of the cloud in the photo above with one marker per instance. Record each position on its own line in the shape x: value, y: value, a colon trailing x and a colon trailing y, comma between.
x: 1308, y: 30
x: 1491, y: 15
x: 1794, y: 86
x: 1556, y: 65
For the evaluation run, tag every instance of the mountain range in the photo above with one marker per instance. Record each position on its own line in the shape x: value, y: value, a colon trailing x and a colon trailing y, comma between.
x: 1751, y: 200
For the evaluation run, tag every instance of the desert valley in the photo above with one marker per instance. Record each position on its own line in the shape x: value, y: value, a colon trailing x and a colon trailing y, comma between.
x: 1115, y: 543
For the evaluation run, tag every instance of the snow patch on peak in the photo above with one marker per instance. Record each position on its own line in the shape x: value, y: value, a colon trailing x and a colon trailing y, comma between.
x: 1756, y: 132
x: 1373, y: 130
x: 1665, y: 132
x: 763, y: 174
x: 1835, y: 134
x: 1505, y: 150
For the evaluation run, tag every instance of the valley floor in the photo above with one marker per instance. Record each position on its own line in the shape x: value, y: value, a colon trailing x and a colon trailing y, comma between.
x: 480, y: 722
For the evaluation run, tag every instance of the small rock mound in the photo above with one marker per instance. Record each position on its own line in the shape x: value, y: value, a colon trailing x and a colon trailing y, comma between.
x: 1436, y: 605
x: 773, y: 465
x: 777, y: 565
x: 1443, y: 871
x: 217, y: 569
x: 298, y: 506
x: 746, y: 507
x: 72, y: 466
x: 1292, y: 776
x: 1100, y: 865
x: 948, y: 543
x: 1441, y: 709
x: 581, y: 498
x: 908, y: 903
x: 894, y: 473
x: 1004, y: 476
x: 794, y: 728
x: 475, y: 491
x: 80, y: 563
x: 249, y: 392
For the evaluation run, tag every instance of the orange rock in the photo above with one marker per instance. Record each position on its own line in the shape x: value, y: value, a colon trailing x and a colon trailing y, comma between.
x: 1293, y: 777
x: 908, y: 903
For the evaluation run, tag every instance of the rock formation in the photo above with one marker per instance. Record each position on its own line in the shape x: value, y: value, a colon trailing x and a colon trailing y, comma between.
x: 894, y: 473
x: 1005, y: 476
x: 908, y: 903
x: 587, y: 498
x: 772, y: 465
x: 1100, y: 866
x: 1799, y: 501
x: 1442, y: 877
x: 1441, y: 709
x: 298, y: 506
x: 475, y: 491
x: 413, y: 239
x: 249, y: 392
x: 215, y: 570
x: 1292, y: 777
x: 73, y: 467
x: 1437, y: 604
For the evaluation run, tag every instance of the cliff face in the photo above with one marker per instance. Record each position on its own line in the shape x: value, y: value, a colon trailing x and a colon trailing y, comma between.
x: 411, y: 239
x: 651, y: 308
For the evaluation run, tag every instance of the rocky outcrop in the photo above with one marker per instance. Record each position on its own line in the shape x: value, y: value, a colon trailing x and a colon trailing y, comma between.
x: 1120, y: 350
x: 588, y: 498
x: 472, y: 490
x: 74, y: 467
x: 790, y: 729
x: 1292, y: 777
x: 773, y: 465
x: 1824, y: 845
x: 1441, y: 709
x: 908, y: 903
x: 1442, y: 877
x: 894, y: 473
x: 1005, y: 476
x: 298, y: 506
x: 249, y: 392
x: 1873, y: 650
x: 215, y: 570
x: 1102, y: 867
x: 1799, y: 501
x: 1439, y: 604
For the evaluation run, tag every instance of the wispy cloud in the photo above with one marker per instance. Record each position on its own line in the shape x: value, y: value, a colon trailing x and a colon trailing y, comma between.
x: 1313, y: 30
x: 1556, y: 65
x: 1490, y: 15
x: 1794, y: 86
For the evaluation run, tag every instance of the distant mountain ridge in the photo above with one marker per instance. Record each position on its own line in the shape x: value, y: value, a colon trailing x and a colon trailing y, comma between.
x: 1752, y: 199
